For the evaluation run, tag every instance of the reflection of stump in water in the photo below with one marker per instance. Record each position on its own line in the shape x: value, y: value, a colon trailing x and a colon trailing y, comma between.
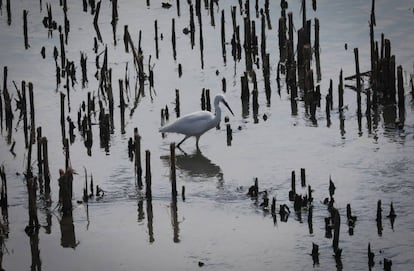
x: 3, y: 194
x: 67, y: 230
x: 150, y: 217
x: 34, y: 248
x: 65, y: 191
x: 174, y: 221
x: 3, y: 235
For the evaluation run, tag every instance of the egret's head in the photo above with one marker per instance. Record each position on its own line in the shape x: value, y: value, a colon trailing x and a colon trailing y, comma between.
x: 220, y: 98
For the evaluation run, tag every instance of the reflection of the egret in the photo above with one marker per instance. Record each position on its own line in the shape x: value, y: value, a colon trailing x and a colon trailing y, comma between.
x: 196, y: 165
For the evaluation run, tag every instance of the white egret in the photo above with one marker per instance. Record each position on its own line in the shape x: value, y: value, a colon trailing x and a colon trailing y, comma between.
x: 197, y: 123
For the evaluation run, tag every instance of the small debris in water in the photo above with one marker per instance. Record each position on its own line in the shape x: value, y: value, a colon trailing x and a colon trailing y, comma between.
x: 166, y: 5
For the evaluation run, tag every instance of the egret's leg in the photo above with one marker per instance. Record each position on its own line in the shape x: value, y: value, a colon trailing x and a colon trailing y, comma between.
x: 178, y: 145
x: 197, y: 139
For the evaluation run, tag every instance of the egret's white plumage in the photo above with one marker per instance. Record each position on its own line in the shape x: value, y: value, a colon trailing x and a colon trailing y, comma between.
x: 197, y: 123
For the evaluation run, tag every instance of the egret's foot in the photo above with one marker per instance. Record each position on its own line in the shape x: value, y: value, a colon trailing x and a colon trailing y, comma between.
x: 182, y: 151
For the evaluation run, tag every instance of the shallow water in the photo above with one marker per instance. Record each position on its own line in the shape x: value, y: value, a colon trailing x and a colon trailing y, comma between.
x: 217, y: 224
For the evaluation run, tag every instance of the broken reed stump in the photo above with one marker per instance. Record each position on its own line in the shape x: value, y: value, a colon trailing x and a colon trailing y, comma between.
x: 8, y: 8
x: 173, y: 39
x: 203, y: 99
x: 223, y: 84
x: 67, y: 153
x: 387, y: 264
x: 371, y: 256
x: 310, y: 219
x: 114, y: 20
x: 379, y: 218
x: 83, y: 62
x: 254, y: 189
x: 303, y: 177
x: 173, y: 175
x: 315, y: 254
x: 104, y: 130
x: 316, y: 49
x: 177, y: 103
x: 340, y: 93
x: 336, y: 219
x: 95, y: 21
x: 282, y: 39
x: 208, y: 100
x: 328, y: 228
x: 229, y: 131
x: 45, y: 158
x: 122, y: 105
x: 200, y: 23
x: 62, y: 52
x: 180, y: 70
x: 126, y: 42
x: 29, y: 173
x: 328, y: 112
x: 148, y: 192
x: 358, y: 87
x: 85, y: 189
x: 266, y: 77
x: 368, y: 111
x: 183, y: 193
x: 24, y: 111
x: 245, y: 92
x: 192, y: 25
x: 263, y: 35
x: 62, y: 115
x: 401, y: 97
x: 223, y: 34
x: 178, y: 8
x: 3, y: 196
x: 31, y: 189
x: 255, y: 102
x: 65, y: 191
x: 310, y: 198
x: 26, y: 40
x: 32, y: 113
x: 330, y: 94
x: 137, y: 151
x: 273, y: 206
x: 292, y: 192
x: 212, y: 20
x: 39, y: 156
x: 8, y: 107
x: 351, y: 219
x: 156, y: 38
x: 331, y: 188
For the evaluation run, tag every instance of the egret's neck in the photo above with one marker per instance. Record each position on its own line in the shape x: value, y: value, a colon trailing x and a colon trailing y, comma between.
x: 217, y: 112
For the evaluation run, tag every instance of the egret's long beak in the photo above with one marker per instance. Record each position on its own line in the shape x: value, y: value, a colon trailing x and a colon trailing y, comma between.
x: 227, y: 105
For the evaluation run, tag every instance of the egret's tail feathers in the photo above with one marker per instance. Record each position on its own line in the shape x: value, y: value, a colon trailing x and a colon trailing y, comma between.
x: 163, y: 129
